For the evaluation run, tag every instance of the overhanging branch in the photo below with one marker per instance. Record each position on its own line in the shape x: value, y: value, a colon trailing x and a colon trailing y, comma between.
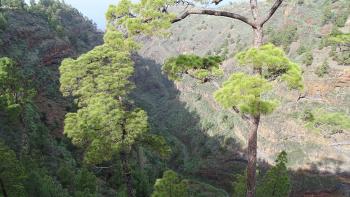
x: 272, y: 11
x: 214, y: 13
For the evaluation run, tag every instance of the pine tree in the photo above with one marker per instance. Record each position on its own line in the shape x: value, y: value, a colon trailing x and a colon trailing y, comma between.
x: 153, y: 17
x: 106, y: 123
x: 276, y: 182
x: 170, y: 185
x: 11, y: 173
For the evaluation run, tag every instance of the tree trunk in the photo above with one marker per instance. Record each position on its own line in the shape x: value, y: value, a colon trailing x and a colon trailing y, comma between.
x: 252, y: 150
x: 125, y: 164
x: 4, y: 192
x: 126, y: 173
x: 258, y: 36
x: 253, y: 132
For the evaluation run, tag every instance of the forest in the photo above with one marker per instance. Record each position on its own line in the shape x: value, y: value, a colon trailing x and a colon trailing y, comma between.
x: 175, y: 98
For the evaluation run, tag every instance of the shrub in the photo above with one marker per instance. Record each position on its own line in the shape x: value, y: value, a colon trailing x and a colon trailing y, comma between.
x: 308, y: 58
x: 302, y: 49
x: 331, y: 120
x: 322, y: 69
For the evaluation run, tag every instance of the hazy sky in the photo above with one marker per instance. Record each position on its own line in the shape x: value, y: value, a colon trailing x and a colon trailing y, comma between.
x: 93, y: 9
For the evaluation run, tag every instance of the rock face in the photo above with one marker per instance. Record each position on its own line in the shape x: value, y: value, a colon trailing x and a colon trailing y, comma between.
x: 222, y: 134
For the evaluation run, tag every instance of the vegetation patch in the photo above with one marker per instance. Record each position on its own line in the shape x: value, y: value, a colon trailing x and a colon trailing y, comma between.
x: 201, y: 68
x: 321, y: 119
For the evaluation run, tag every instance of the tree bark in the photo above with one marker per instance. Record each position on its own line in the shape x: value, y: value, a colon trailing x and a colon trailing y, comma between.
x: 252, y: 150
x: 253, y: 132
x: 4, y: 192
x: 258, y: 36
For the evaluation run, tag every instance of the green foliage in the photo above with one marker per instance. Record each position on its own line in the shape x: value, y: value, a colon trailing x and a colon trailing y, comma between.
x: 39, y: 183
x: 340, y: 47
x: 101, y: 124
x: 302, y: 49
x: 274, y: 63
x: 171, y: 185
x: 244, y: 92
x: 333, y: 120
x: 146, y: 10
x: 308, y: 58
x: 12, y: 173
x: 66, y: 175
x: 85, y: 182
x: 308, y: 116
x: 13, y: 94
x: 276, y: 182
x: 322, y: 69
x: 157, y: 144
x: 106, y: 68
x: 13, y: 3
x: 202, y: 68
x: 240, y: 185
x: 65, y: 21
x: 339, y: 39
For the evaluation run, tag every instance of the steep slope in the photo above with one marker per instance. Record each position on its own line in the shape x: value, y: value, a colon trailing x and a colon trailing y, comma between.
x: 38, y: 45
x: 210, y: 140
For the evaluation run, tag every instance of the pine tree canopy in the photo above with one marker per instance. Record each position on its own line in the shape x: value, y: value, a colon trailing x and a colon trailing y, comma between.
x: 105, y: 69
x: 276, y: 182
x: 99, y: 81
x: 198, y: 67
x: 244, y: 92
x: 144, y: 17
x: 274, y: 63
x: 170, y: 185
x: 99, y: 127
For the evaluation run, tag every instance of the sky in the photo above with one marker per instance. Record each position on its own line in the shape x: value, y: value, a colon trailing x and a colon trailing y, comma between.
x: 93, y: 9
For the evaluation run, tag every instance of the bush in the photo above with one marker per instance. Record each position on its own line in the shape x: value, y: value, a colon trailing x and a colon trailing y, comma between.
x: 329, y: 120
x: 322, y: 69
x: 308, y: 58
x: 308, y: 116
x: 302, y: 49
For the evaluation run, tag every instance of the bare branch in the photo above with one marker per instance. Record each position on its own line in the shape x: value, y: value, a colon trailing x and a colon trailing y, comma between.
x: 214, y: 13
x: 216, y: 2
x: 272, y: 11
x: 254, y: 9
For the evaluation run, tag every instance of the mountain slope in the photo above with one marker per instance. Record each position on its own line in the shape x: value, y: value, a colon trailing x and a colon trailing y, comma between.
x: 211, y: 141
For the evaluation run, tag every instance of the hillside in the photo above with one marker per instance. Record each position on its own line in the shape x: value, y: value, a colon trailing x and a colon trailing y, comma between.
x: 208, y: 143
x: 37, y: 39
x: 211, y: 141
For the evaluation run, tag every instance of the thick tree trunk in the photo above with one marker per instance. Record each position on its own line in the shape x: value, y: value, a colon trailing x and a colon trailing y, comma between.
x: 258, y: 36
x: 252, y: 150
x: 253, y: 132
x: 4, y: 192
